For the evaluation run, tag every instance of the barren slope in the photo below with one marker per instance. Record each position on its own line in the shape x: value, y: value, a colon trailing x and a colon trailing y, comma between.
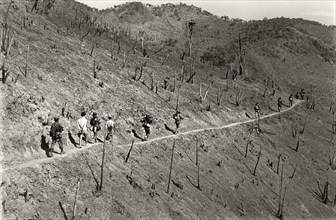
x: 60, y: 75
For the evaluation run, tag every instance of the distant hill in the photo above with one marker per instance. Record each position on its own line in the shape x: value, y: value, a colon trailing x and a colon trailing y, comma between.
x: 215, y: 39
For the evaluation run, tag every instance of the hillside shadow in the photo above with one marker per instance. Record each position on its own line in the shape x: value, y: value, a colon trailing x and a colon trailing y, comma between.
x: 63, y: 211
x: 136, y: 135
x: 92, y: 173
x: 44, y: 144
x: 317, y: 195
x: 98, y: 139
x: 248, y: 168
x: 269, y: 188
x: 233, y: 103
x: 240, y: 152
x: 169, y: 129
x: 194, y: 185
x: 269, y: 107
x: 72, y: 140
x: 267, y: 207
x: 294, y: 149
x: 247, y: 115
x: 268, y: 132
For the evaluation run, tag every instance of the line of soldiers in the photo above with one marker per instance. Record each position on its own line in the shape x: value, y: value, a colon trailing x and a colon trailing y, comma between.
x: 147, y: 121
x: 279, y: 104
x: 57, y: 129
x: 300, y: 95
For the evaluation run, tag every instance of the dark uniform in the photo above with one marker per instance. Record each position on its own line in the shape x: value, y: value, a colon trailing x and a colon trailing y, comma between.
x: 290, y: 99
x: 95, y: 123
x: 297, y: 95
x: 146, y: 121
x: 279, y: 104
x: 56, y: 136
x: 257, y: 111
x: 177, y: 117
x: 302, y: 94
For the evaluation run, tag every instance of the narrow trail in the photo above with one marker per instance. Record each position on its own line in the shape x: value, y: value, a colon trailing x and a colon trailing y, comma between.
x: 139, y: 143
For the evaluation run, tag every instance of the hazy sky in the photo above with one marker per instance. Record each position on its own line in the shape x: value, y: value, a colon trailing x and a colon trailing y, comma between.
x: 322, y: 11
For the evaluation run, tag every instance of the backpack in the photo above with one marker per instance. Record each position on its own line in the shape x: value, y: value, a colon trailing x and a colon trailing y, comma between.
x: 177, y: 117
x: 94, y: 122
x: 55, y: 131
x: 147, y: 119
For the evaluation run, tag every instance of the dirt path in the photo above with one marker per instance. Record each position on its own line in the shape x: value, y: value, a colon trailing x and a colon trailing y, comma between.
x: 78, y: 150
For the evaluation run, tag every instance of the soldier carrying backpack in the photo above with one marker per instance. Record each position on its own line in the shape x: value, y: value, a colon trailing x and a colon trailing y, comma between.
x: 290, y: 99
x: 146, y: 121
x: 279, y: 104
x: 257, y: 113
x: 177, y: 117
x: 302, y: 93
x: 95, y: 123
x: 56, y: 136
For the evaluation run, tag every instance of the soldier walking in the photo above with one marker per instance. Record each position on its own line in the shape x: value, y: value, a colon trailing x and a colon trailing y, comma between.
x: 56, y: 136
x: 109, y: 127
x: 290, y: 99
x: 279, y: 104
x: 257, y: 113
x: 146, y: 121
x: 82, y: 126
x: 177, y: 117
x: 95, y: 123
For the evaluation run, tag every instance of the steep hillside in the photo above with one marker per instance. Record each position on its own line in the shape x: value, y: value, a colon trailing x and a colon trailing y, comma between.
x: 66, y: 58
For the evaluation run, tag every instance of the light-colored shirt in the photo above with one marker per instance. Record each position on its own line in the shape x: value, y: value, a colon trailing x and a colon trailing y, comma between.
x: 81, y: 123
x: 109, y: 125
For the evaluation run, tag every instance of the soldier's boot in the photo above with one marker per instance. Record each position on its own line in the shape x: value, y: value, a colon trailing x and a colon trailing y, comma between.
x: 50, y: 152
x: 177, y: 127
x: 95, y: 137
x: 80, y: 140
x: 62, y: 150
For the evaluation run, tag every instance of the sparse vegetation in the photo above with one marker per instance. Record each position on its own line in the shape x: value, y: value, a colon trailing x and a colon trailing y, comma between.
x: 297, y: 143
x: 198, y: 166
x: 69, y: 42
x: 6, y: 41
x: 238, y: 95
x: 203, y: 96
x: 256, y: 165
x: 281, y: 196
x: 75, y: 203
x: 171, y: 167
x: 220, y: 95
x: 129, y: 152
